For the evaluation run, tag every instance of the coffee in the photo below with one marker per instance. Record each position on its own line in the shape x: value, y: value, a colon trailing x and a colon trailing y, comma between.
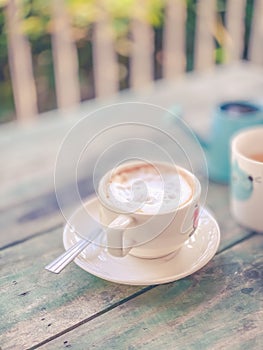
x: 148, y: 210
x: 148, y: 188
x: 257, y: 156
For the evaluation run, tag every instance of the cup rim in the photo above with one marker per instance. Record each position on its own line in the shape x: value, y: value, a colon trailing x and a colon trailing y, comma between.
x: 195, y: 195
x: 256, y: 114
x: 241, y: 134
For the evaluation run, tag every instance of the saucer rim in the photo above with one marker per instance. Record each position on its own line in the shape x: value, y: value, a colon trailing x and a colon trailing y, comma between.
x: 165, y: 279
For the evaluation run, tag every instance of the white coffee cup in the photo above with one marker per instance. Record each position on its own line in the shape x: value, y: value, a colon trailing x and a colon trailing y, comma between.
x: 247, y: 178
x: 133, y: 227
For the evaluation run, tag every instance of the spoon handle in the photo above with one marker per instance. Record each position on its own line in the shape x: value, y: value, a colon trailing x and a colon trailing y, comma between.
x: 64, y: 259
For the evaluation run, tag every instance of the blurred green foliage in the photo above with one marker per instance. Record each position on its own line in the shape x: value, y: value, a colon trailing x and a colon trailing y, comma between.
x: 37, y: 26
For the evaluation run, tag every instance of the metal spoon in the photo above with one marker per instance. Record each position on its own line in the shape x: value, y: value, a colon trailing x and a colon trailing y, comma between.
x: 57, y: 265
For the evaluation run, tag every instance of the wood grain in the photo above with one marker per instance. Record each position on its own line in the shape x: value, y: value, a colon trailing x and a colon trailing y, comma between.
x: 256, y: 37
x: 20, y: 64
x: 36, y: 304
x: 36, y: 215
x: 174, y: 57
x: 216, y: 308
x: 65, y: 57
x: 27, y: 201
x: 29, y: 170
x: 204, y: 42
x: 106, y: 73
x: 141, y: 60
x: 235, y: 26
x: 42, y: 213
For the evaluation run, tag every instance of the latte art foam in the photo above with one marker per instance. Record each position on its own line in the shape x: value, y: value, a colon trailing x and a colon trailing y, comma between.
x: 148, y: 189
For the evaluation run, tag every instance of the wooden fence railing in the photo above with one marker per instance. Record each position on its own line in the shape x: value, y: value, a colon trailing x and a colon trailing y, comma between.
x: 105, y: 66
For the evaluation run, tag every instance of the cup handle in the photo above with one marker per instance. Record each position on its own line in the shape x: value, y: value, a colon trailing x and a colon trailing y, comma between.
x: 115, y: 234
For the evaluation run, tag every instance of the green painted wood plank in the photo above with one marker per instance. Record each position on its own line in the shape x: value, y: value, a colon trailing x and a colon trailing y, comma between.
x: 38, y: 249
x: 30, y: 217
x: 218, y: 200
x: 219, y: 307
x: 35, y: 304
x: 42, y: 213
x: 28, y: 153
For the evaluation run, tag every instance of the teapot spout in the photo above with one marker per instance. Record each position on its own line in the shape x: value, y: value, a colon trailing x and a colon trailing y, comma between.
x: 203, y: 142
x: 175, y: 115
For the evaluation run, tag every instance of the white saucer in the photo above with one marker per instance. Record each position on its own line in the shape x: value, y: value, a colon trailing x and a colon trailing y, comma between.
x: 194, y: 254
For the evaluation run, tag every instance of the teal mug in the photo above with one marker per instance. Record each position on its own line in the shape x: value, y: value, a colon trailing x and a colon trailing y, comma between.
x: 228, y: 118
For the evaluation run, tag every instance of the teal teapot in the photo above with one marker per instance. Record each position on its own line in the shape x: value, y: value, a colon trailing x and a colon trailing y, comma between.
x: 228, y: 118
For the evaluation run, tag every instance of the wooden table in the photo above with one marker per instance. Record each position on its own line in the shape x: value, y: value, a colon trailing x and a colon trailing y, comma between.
x: 218, y: 307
